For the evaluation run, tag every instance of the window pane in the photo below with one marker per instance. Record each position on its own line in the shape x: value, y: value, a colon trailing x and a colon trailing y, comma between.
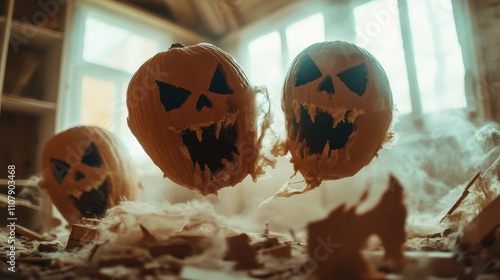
x: 116, y: 47
x: 266, y: 69
x: 378, y: 30
x: 304, y: 33
x: 97, y: 102
x: 265, y: 62
x: 438, y: 56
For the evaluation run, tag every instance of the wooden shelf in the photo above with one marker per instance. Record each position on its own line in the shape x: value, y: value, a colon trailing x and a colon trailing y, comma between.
x: 27, y: 105
x: 37, y: 36
x: 33, y: 57
x: 20, y: 182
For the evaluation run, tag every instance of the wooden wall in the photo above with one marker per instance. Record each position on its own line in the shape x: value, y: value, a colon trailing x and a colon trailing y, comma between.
x: 486, y: 18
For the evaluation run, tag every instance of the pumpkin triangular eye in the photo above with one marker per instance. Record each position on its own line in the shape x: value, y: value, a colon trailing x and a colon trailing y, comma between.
x: 308, y: 71
x: 60, y: 169
x: 172, y: 97
x: 327, y: 85
x: 355, y: 78
x: 219, y: 84
x: 91, y: 156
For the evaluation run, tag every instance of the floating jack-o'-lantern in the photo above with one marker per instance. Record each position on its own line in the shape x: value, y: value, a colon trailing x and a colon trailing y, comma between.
x: 194, y: 113
x: 86, y: 170
x: 338, y: 106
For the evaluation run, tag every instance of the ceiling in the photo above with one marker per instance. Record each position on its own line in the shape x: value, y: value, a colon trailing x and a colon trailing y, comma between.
x: 211, y: 18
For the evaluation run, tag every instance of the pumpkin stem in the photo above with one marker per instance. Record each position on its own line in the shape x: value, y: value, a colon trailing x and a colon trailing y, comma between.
x: 176, y: 45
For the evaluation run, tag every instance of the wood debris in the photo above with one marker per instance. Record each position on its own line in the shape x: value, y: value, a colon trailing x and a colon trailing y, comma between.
x: 438, y: 264
x: 151, y: 268
x: 196, y: 273
x: 31, y: 234
x: 478, y: 248
x: 129, y: 261
x: 335, y: 243
x: 482, y: 225
x: 462, y: 197
x: 186, y: 250
x: 116, y: 272
x: 90, y: 221
x: 81, y: 235
x: 240, y: 251
x: 50, y: 247
x: 37, y: 261
x: 19, y: 203
x: 180, y: 246
x: 266, y: 243
x: 280, y: 251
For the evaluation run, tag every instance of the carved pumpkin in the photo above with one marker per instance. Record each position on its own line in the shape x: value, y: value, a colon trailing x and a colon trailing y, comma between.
x: 193, y: 111
x: 338, y: 106
x: 86, y: 170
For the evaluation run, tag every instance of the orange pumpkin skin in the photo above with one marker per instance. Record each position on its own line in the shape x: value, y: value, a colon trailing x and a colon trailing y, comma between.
x: 86, y: 170
x: 338, y: 106
x: 179, y: 100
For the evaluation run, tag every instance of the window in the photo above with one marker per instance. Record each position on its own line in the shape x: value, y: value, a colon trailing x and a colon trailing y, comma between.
x: 112, y: 49
x: 438, y: 57
x: 378, y: 30
x: 431, y: 49
x: 415, y: 41
x: 267, y: 68
x: 304, y: 33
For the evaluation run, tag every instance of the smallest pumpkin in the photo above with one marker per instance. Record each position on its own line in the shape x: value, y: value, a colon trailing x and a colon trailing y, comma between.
x: 86, y: 170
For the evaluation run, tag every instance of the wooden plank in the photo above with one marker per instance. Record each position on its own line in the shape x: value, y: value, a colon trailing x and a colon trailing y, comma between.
x: 27, y: 105
x: 462, y: 197
x: 19, y: 203
x: 31, y: 234
x: 20, y: 182
x: 482, y: 224
x: 6, y: 22
x: 39, y: 36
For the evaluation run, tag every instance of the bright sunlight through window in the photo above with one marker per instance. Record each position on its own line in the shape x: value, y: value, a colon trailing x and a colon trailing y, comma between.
x: 116, y: 47
x: 435, y: 52
x: 378, y: 30
x: 113, y: 49
x: 304, y: 33
x: 438, y: 56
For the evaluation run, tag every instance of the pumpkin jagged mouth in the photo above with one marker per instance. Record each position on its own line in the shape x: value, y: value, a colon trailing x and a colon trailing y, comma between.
x: 211, y: 147
x: 322, y: 130
x: 92, y: 203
